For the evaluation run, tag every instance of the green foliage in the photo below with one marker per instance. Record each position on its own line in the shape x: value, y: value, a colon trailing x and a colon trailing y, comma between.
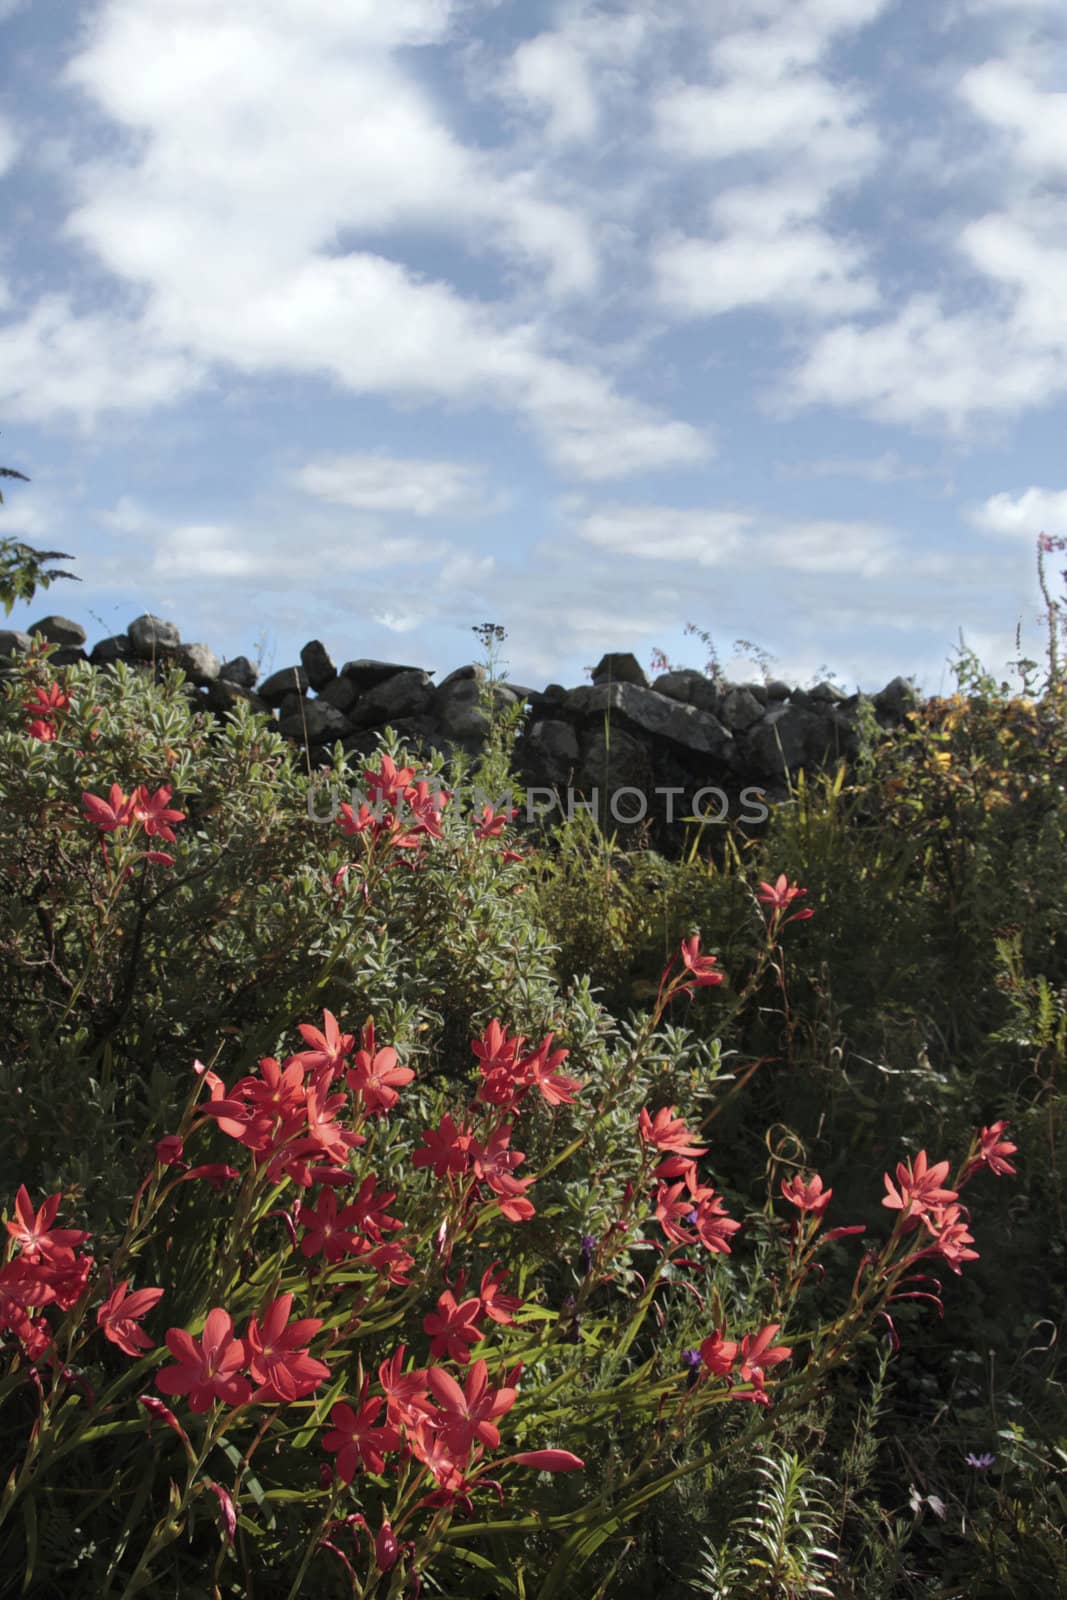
x: 22, y: 568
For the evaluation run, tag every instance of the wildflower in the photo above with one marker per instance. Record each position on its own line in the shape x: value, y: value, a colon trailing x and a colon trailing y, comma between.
x: 386, y: 1548
x: 495, y: 1304
x: 208, y: 1368
x: 169, y: 1150
x: 152, y: 812
x: 718, y: 1353
x: 549, y: 1460
x: 700, y: 966
x: 355, y: 1439
x: 329, y: 1046
x: 714, y: 1228
x: 808, y: 1197
x: 467, y: 1414
x: 328, y: 1231
x: 120, y: 1314
x: 919, y: 1187
x: 33, y: 1232
x: 757, y: 1353
x: 108, y: 815
x: 780, y: 896
x: 453, y: 1327
x: 277, y: 1354
x: 541, y: 1072
x: 447, y: 1148
x: 668, y: 1132
x: 375, y: 1078
x: 992, y: 1150
x: 980, y: 1463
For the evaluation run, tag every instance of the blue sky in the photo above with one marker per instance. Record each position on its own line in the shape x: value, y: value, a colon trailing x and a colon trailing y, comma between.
x: 373, y: 321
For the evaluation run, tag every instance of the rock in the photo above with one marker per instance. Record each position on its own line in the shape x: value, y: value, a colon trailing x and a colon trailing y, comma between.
x: 407, y: 693
x: 620, y: 667
x: 289, y: 680
x: 610, y: 763
x: 199, y: 663
x: 13, y: 642
x: 317, y: 664
x: 240, y: 671
x: 780, y: 742
x: 60, y: 630
x: 66, y: 656
x: 896, y: 699
x: 289, y: 705
x: 654, y: 713
x: 323, y: 721
x: 554, y: 691
x: 740, y: 709
x: 150, y: 636
x: 342, y: 694
x: 222, y: 695
x: 777, y: 690
x: 474, y: 671
x: 758, y: 691
x: 107, y: 651
x: 364, y: 675
x: 827, y: 694
x: 549, y: 751
x: 521, y: 692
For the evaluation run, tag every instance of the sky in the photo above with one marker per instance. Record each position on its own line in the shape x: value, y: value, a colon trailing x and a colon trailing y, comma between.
x: 374, y: 320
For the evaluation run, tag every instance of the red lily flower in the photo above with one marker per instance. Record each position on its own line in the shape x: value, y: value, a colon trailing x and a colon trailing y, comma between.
x: 447, y: 1148
x: 719, y: 1354
x: 115, y: 812
x: 757, y: 1354
x: 328, y: 1231
x: 405, y: 1392
x: 467, y: 1414
x: 992, y: 1150
x: 453, y: 1327
x: 807, y: 1197
x: 151, y: 811
x: 920, y: 1187
x: 668, y: 1132
x: 495, y: 1303
x: 700, y: 966
x: 33, y: 1232
x: 329, y: 1046
x: 541, y: 1072
x: 120, y: 1314
x: 208, y: 1368
x: 375, y: 1078
x: 277, y: 1354
x: 356, y: 1441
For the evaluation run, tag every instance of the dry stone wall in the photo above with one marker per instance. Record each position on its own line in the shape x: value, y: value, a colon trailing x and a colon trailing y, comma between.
x: 682, y: 731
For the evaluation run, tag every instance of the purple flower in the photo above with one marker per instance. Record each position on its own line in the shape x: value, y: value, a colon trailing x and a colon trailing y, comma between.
x: 691, y: 1358
x: 980, y: 1463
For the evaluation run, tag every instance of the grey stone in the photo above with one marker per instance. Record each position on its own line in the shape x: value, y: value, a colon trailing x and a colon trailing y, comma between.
x: 407, y: 693
x: 554, y: 691
x: 897, y: 698
x: 740, y: 709
x: 13, y: 642
x: 318, y: 664
x: 780, y: 742
x: 758, y: 691
x: 199, y: 663
x: 150, y: 636
x: 463, y: 721
x: 106, y: 651
x: 342, y: 694
x: 654, y: 713
x: 619, y: 666
x: 366, y: 675
x: 289, y: 705
x: 60, y: 630
x: 620, y: 760
x: 66, y: 656
x: 550, y: 750
x: 474, y: 671
x: 777, y: 690
x: 240, y: 671
x: 827, y: 693
x: 221, y: 695
x: 323, y: 722
x: 288, y: 681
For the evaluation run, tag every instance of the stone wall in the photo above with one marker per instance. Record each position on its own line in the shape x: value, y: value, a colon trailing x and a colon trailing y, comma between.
x: 682, y: 731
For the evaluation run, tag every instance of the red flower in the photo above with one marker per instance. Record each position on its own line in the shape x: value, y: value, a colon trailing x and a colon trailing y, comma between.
x: 541, y: 1072
x: 714, y: 1228
x: 992, y: 1151
x: 447, y: 1148
x: 152, y: 812
x: 169, y: 1150
x: 33, y: 1232
x: 277, y: 1354
x: 208, y: 1368
x: 453, y: 1327
x: 327, y: 1231
x: 780, y: 895
x: 807, y: 1197
x: 495, y: 1303
x: 386, y: 1548
x: 920, y: 1186
x: 120, y: 1314
x: 115, y: 812
x: 757, y: 1354
x: 329, y: 1046
x: 405, y: 1392
x: 493, y: 823
x: 467, y: 1414
x: 719, y: 1354
x: 375, y: 1078
x: 356, y: 1441
x: 548, y: 1460
x: 668, y: 1132
x: 700, y: 966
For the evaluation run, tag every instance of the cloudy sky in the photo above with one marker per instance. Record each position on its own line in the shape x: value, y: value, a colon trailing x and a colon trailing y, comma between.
x: 372, y: 320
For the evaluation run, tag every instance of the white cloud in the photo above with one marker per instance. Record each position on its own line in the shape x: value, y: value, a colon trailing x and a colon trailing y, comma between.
x: 1034, y: 119
x: 368, y: 482
x: 889, y: 467
x: 801, y: 268
x: 551, y: 72
x: 1022, y: 516
x: 858, y: 548
x: 665, y: 533
x: 925, y: 366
